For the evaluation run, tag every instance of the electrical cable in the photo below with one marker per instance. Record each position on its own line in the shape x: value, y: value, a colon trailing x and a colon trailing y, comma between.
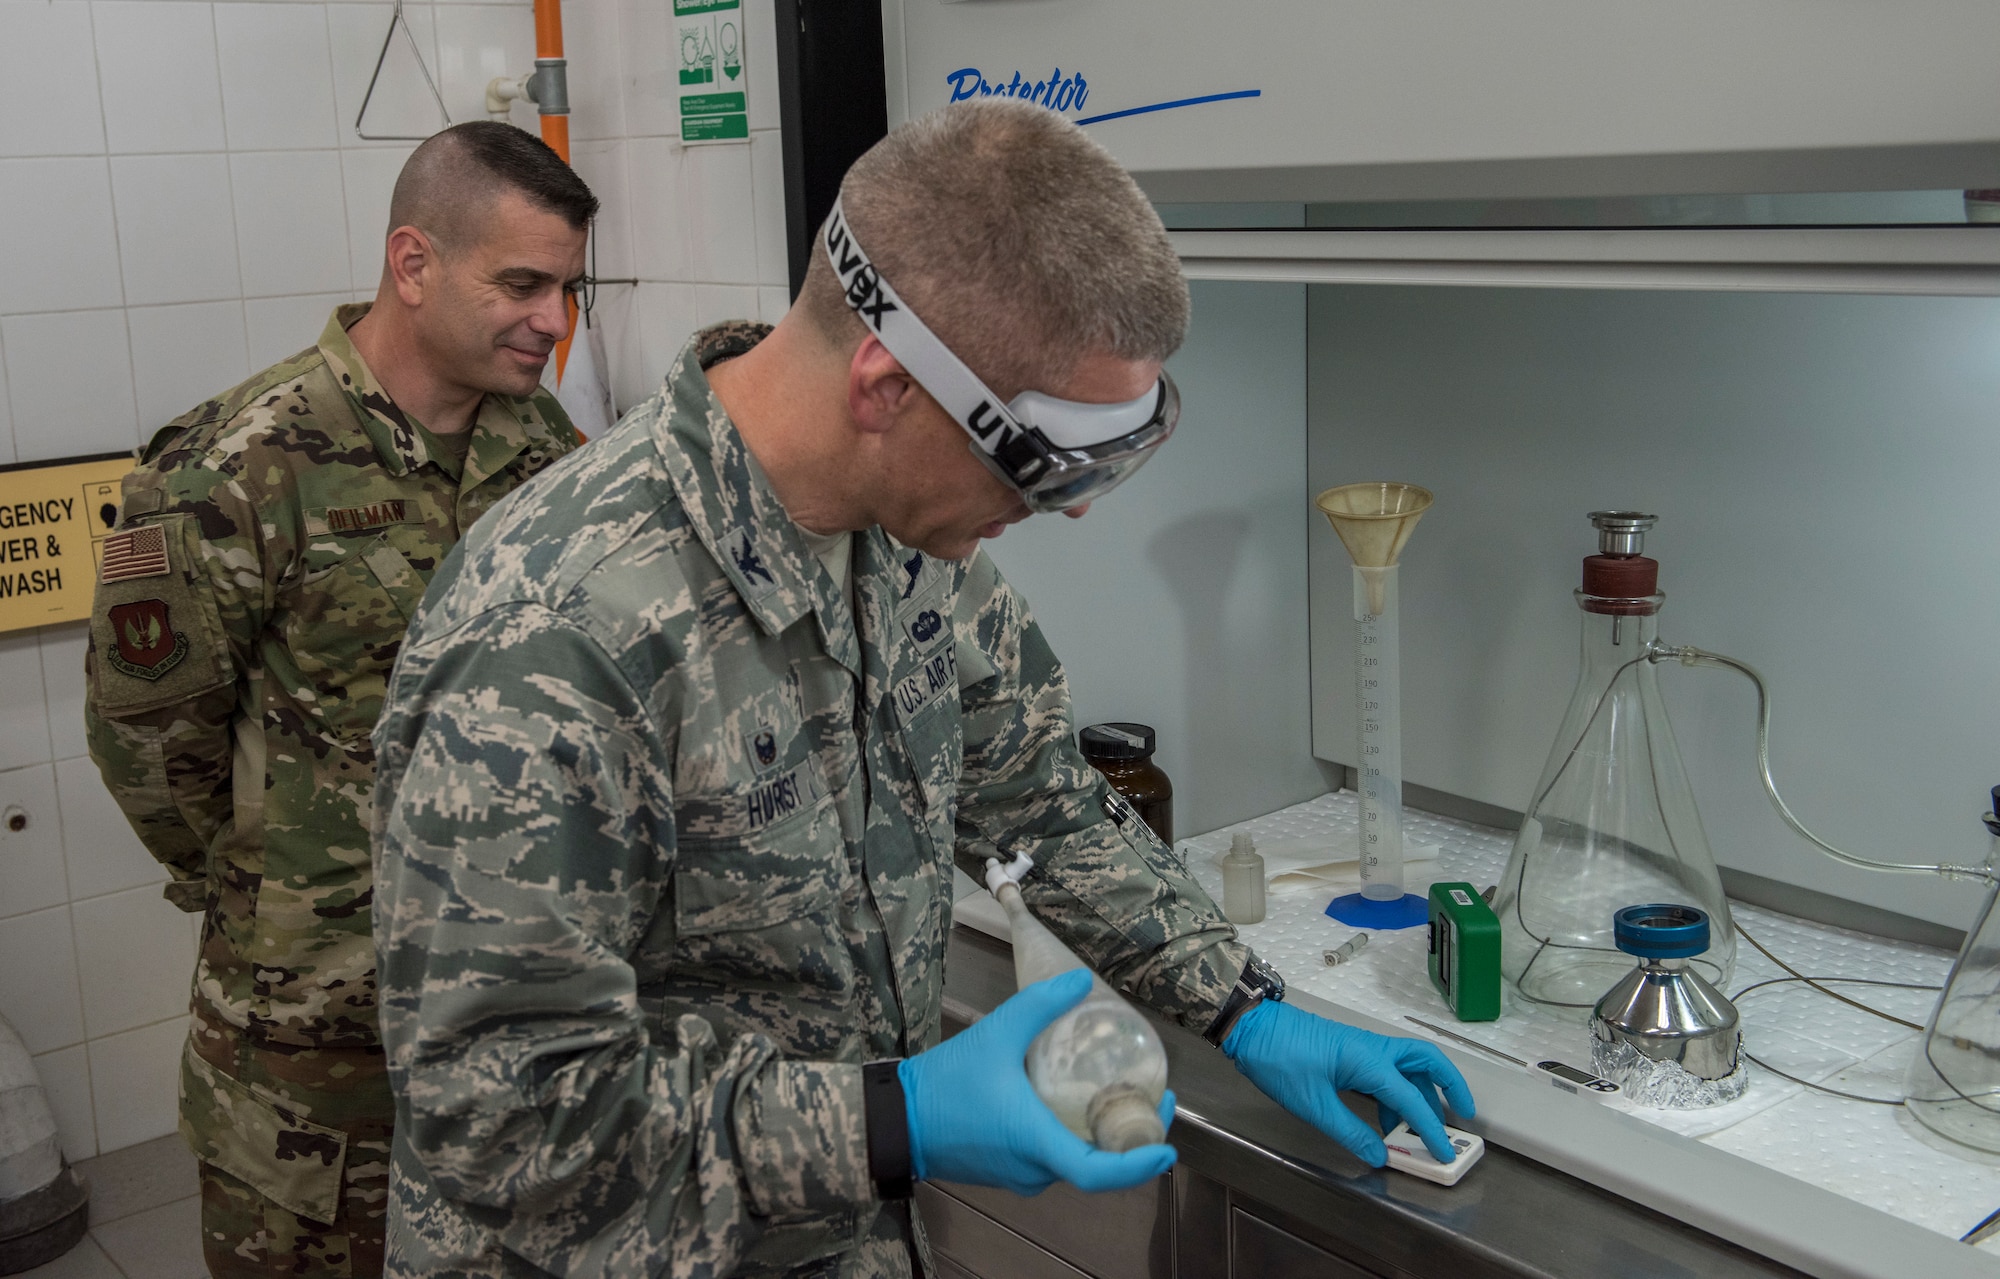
x: 1814, y: 983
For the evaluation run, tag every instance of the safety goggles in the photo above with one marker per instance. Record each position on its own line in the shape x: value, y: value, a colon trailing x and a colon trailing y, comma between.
x: 1055, y: 453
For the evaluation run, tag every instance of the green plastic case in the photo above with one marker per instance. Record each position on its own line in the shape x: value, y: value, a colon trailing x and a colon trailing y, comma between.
x: 1465, y: 952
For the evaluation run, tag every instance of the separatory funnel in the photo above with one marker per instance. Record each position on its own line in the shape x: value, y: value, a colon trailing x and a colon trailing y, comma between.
x: 1612, y: 822
x: 1099, y: 1066
x: 1374, y: 520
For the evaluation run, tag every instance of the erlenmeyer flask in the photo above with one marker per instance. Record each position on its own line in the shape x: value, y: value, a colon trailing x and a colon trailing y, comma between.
x: 1612, y: 822
x: 1953, y: 1087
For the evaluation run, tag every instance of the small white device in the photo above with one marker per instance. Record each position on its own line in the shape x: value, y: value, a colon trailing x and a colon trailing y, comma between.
x: 1408, y: 1154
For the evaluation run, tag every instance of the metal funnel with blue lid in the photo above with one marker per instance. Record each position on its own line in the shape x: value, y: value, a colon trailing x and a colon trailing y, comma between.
x: 1663, y: 1033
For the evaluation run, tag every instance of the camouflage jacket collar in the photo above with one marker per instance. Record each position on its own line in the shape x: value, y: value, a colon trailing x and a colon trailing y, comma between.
x: 731, y: 506
x: 502, y: 429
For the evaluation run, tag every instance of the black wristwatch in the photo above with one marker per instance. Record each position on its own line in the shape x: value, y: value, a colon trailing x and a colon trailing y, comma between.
x: 888, y: 1121
x: 1259, y: 981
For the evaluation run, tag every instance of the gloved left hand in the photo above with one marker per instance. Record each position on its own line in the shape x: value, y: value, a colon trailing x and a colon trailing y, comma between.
x: 1302, y: 1061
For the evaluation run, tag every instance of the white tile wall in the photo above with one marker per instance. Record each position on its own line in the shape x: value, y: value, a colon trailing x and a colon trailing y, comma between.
x: 659, y: 227
x: 65, y: 1076
x: 714, y: 303
x: 272, y: 101
x: 767, y: 180
x: 291, y: 222
x: 183, y: 199
x: 39, y: 999
x: 60, y: 249
x: 181, y: 355
x: 69, y: 380
x: 94, y: 966
x: 102, y: 853
x: 693, y: 216
x: 62, y: 683
x: 22, y: 708
x: 48, y: 100
x: 477, y: 42
x: 715, y: 193
x: 134, y: 959
x: 175, y: 242
x: 282, y: 327
x: 591, y: 43
x: 157, y: 72
x: 773, y: 300
x: 134, y: 1077
x: 32, y: 875
x: 368, y: 176
x: 602, y: 164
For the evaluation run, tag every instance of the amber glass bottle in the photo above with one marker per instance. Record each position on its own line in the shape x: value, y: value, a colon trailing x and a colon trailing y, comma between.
x: 1124, y: 754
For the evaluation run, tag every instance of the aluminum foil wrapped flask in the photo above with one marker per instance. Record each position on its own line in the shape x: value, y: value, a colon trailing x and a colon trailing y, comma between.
x: 1612, y: 822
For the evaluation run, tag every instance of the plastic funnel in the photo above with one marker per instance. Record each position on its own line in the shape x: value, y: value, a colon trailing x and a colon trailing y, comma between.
x: 1374, y: 520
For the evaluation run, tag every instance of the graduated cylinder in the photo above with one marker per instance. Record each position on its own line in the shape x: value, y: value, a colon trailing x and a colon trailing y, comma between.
x: 1374, y: 520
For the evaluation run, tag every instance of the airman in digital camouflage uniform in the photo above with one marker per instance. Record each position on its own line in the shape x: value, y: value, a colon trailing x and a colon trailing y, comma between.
x: 683, y: 746
x: 273, y: 546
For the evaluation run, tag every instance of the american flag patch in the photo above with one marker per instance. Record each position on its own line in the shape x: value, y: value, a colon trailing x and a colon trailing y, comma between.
x: 139, y: 552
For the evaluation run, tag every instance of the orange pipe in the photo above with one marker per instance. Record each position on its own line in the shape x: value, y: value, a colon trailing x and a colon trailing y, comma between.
x: 548, y: 29
x: 555, y: 132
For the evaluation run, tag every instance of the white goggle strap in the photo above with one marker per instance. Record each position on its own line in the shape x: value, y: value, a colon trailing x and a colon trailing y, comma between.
x: 920, y: 352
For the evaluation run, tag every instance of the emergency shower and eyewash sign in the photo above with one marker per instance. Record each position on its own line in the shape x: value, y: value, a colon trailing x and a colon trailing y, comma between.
x: 54, y: 517
x: 714, y: 96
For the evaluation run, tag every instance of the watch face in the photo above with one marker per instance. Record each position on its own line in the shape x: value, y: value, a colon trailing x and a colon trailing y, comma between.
x: 1267, y: 977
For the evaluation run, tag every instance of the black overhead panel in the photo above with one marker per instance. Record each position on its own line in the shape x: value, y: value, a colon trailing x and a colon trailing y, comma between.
x: 832, y: 103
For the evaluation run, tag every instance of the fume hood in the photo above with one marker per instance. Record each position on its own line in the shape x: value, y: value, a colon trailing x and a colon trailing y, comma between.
x: 1718, y: 261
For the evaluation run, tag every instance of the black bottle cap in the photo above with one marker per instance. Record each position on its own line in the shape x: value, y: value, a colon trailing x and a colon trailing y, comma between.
x: 1116, y: 741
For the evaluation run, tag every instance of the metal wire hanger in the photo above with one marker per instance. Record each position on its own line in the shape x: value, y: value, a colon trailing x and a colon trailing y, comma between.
x: 396, y: 19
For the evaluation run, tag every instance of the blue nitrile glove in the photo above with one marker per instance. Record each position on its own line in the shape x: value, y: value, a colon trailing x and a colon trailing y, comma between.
x: 975, y: 1118
x: 1302, y: 1061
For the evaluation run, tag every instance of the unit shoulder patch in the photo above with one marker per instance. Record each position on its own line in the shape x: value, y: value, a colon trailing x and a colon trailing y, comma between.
x: 136, y: 553
x: 145, y: 644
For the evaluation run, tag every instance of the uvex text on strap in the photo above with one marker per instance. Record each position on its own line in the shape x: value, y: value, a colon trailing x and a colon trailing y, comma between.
x: 1055, y: 453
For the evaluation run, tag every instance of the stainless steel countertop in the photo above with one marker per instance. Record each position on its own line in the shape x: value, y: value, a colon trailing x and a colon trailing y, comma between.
x: 1510, y: 1216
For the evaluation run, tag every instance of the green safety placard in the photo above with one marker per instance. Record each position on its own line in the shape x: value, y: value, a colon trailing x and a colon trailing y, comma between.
x: 708, y: 35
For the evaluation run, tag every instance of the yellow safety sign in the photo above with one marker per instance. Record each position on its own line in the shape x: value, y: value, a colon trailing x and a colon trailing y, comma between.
x: 54, y: 517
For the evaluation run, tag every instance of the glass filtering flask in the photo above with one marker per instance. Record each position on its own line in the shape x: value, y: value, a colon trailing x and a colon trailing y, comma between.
x: 1953, y: 1086
x: 1612, y: 822
x: 1100, y: 1065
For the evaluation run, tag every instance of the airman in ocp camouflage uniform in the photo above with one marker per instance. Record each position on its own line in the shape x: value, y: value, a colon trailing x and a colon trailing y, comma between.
x: 635, y: 695
x: 234, y: 678
x: 273, y: 545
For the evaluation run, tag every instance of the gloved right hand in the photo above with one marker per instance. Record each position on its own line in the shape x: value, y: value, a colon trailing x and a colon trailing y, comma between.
x: 975, y: 1118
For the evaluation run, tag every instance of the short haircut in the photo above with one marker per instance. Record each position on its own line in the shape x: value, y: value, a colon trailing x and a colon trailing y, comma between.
x: 1016, y: 239
x: 451, y: 182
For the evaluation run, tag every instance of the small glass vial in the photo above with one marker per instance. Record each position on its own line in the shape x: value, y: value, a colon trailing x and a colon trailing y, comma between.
x: 1243, y: 882
x: 1124, y: 754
